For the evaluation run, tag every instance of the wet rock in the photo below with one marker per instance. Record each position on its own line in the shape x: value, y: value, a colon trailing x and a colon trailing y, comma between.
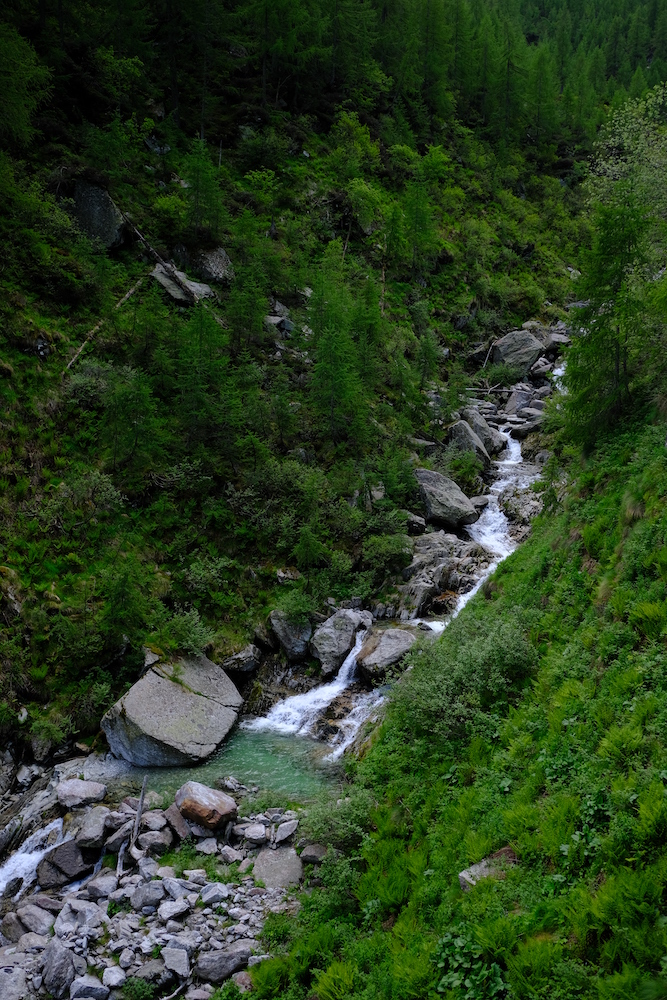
x: 97, y: 214
x: 58, y: 970
x: 335, y: 638
x: 518, y: 349
x: 293, y: 637
x: 74, y: 793
x: 217, y: 966
x: 279, y: 868
x: 175, y: 714
x: 35, y: 919
x: 62, y: 865
x: 92, y: 833
x: 383, y: 650
x: 207, y: 806
x: 445, y: 503
x: 492, y: 440
x: 464, y: 438
x: 244, y: 662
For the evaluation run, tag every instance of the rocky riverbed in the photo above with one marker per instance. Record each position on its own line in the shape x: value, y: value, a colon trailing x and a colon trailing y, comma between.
x: 74, y: 926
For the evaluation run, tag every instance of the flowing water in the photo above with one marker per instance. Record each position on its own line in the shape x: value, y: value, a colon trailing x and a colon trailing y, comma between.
x: 23, y: 864
x: 296, y: 717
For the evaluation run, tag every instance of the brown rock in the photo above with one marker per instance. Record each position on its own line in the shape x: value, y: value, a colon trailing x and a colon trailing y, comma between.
x: 206, y: 806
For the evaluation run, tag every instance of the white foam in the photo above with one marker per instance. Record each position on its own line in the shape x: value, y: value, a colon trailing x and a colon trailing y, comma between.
x: 298, y: 713
x: 23, y: 863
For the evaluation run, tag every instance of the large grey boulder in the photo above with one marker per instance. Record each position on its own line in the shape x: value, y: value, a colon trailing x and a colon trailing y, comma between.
x: 97, y: 214
x: 463, y: 436
x: 445, y: 503
x: 383, y: 650
x: 58, y: 970
x: 216, y: 966
x: 519, y: 398
x: 518, y: 348
x: 492, y: 440
x: 335, y: 638
x: 177, y: 713
x: 62, y: 865
x: 292, y: 636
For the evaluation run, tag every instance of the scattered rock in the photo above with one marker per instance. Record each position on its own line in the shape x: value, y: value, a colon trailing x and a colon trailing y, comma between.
x: 383, y: 650
x: 286, y: 830
x: 175, y: 714
x: 214, y: 893
x: 113, y: 977
x: 205, y: 805
x: 155, y: 841
x: 13, y: 984
x: 492, y: 440
x: 215, y: 266
x: 12, y: 928
x: 176, y: 960
x: 179, y: 825
x: 493, y: 866
x: 74, y: 793
x: 102, y: 886
x: 414, y: 524
x: 150, y: 894
x: 229, y: 855
x: 464, y: 438
x: 445, y: 503
x: 172, y: 909
x: 35, y: 918
x: 179, y: 287
x: 88, y: 986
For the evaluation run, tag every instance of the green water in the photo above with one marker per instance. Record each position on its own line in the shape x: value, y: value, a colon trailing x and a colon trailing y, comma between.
x: 290, y: 765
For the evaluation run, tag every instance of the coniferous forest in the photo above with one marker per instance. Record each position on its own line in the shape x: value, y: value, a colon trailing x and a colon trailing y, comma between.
x: 377, y: 191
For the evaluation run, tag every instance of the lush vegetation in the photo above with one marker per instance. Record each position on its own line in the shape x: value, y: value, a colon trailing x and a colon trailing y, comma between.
x: 410, y: 179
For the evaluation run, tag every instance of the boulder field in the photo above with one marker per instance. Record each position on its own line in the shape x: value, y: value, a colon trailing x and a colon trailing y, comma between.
x: 67, y: 932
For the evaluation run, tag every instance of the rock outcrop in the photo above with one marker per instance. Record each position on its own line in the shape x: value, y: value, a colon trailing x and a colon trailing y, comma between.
x: 445, y: 503
x: 335, y: 638
x: 492, y: 440
x: 442, y: 567
x: 177, y: 713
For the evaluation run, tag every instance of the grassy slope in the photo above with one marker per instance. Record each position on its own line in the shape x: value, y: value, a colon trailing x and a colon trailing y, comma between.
x: 538, y: 722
